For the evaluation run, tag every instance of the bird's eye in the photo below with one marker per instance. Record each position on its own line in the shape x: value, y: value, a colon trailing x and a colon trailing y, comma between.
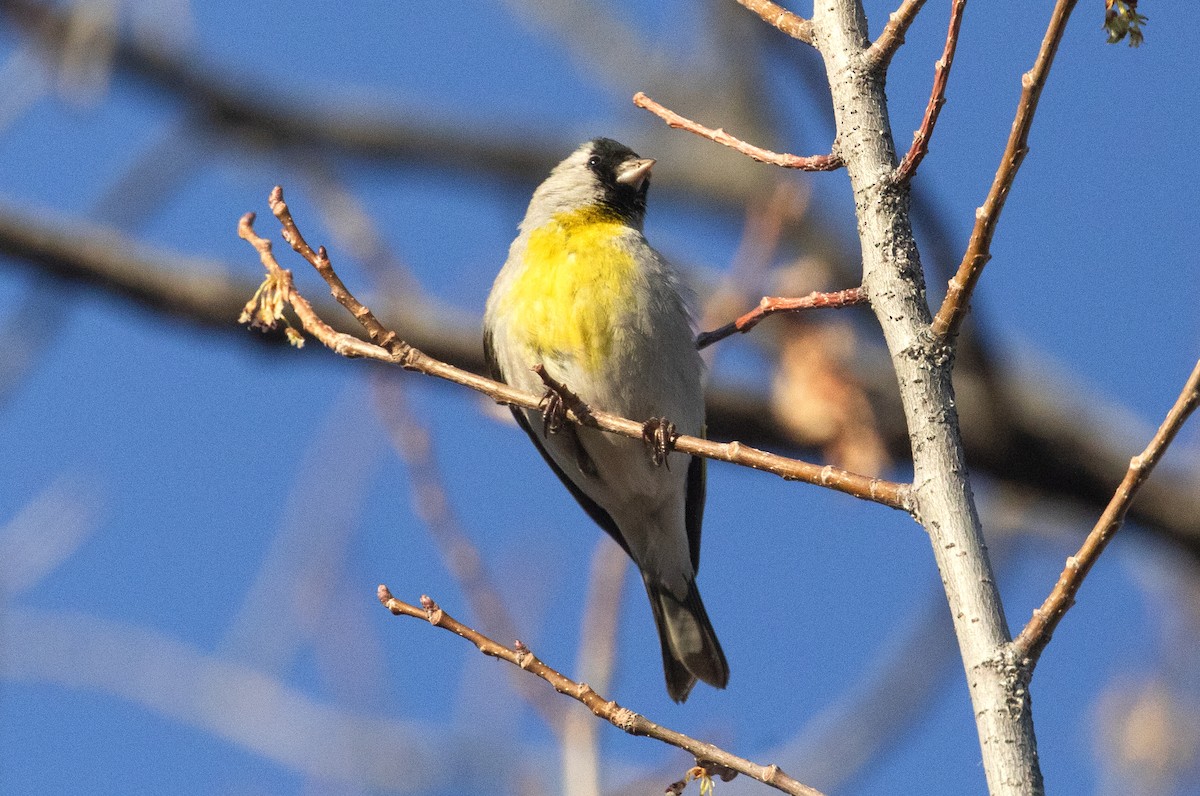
x: 593, y: 162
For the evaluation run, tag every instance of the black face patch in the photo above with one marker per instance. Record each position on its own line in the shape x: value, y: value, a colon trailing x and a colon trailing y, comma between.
x: 606, y: 156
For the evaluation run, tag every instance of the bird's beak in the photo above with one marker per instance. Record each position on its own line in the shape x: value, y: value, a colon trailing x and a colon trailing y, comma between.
x: 634, y: 172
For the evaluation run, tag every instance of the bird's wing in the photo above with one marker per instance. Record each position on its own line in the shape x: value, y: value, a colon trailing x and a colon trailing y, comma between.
x: 567, y: 436
x: 694, y: 509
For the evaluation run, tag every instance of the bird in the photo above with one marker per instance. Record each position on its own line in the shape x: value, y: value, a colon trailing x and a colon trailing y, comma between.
x: 584, y: 296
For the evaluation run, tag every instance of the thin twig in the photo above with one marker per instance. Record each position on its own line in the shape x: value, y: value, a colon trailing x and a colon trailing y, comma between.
x: 937, y: 98
x: 962, y: 285
x: 779, y: 17
x: 620, y: 717
x: 1033, y: 639
x: 266, y: 307
x: 279, y: 289
x: 380, y: 335
x: 828, y: 162
x: 889, y: 41
x: 762, y: 232
x: 769, y: 305
x: 352, y: 226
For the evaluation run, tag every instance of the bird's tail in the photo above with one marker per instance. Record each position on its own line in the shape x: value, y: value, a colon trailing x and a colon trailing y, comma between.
x: 690, y: 648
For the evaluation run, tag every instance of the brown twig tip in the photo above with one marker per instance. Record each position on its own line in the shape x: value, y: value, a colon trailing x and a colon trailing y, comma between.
x: 937, y: 98
x: 828, y: 162
x: 319, y: 260
x: 388, y: 601
x: 427, y: 603
x: 780, y: 18
x: 889, y: 41
x: 1036, y: 635
x: 770, y: 305
x: 958, y: 297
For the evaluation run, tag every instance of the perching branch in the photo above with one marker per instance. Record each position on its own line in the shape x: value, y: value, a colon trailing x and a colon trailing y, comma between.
x: 937, y: 98
x: 278, y: 290
x: 962, y: 285
x: 779, y: 17
x: 620, y: 717
x: 1033, y: 639
x: 881, y: 52
x: 829, y: 162
x: 1041, y: 442
x: 769, y: 305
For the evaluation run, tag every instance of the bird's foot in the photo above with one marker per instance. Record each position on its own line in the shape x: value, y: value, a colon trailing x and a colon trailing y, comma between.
x: 557, y: 401
x: 659, y: 435
x: 554, y: 411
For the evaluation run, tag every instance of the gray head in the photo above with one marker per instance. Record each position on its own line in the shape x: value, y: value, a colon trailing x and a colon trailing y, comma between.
x: 601, y: 172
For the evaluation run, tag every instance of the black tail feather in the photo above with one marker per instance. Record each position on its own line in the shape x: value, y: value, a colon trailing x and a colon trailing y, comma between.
x: 690, y: 648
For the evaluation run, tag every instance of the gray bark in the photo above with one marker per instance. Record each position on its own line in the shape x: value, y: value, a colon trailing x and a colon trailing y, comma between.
x: 943, y: 501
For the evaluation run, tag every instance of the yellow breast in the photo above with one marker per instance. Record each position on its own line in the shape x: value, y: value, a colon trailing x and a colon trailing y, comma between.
x: 579, y: 277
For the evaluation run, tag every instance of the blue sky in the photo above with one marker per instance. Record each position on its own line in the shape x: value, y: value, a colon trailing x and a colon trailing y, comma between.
x: 216, y: 472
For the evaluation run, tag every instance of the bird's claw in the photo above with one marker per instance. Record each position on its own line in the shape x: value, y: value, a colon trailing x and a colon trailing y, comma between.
x: 554, y: 411
x: 659, y: 435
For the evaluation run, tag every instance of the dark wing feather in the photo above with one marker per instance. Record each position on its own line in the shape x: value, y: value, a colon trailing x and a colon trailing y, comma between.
x: 568, y: 434
x: 694, y: 509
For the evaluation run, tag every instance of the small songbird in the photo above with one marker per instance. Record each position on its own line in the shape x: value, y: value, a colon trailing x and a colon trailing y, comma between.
x: 585, y: 296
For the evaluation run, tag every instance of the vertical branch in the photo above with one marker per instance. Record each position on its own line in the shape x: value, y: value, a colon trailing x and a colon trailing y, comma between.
x: 944, y: 505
